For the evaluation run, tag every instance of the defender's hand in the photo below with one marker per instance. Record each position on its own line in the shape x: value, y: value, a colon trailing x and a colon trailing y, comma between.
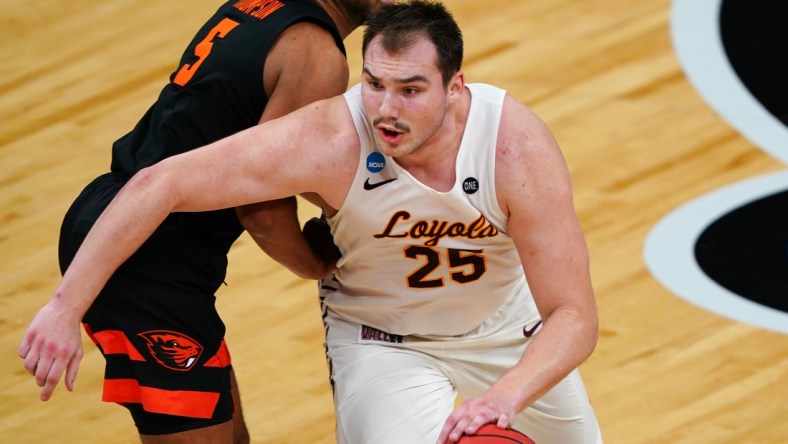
x: 318, y: 235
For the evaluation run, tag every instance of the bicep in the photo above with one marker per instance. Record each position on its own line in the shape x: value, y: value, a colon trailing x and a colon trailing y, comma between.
x: 554, y: 255
x: 536, y: 191
x: 270, y: 161
x: 261, y: 163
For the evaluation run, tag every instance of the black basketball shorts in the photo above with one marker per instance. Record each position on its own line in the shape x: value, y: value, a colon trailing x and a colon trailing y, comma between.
x: 159, y: 332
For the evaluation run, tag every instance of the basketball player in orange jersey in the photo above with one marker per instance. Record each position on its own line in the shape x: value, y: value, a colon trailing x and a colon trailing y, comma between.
x: 155, y: 320
x: 464, y: 270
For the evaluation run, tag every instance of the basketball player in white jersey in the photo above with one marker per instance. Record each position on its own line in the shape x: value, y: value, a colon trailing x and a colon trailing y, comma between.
x: 464, y: 269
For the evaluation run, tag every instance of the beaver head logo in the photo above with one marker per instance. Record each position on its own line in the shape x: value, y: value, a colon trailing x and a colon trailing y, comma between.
x: 173, y: 350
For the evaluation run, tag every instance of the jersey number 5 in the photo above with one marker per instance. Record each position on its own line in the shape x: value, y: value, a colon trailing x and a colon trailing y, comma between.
x: 203, y: 50
x: 471, y: 261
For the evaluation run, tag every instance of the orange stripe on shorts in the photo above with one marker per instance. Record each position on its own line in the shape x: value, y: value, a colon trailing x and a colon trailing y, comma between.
x: 221, y: 358
x: 114, y: 342
x: 191, y: 404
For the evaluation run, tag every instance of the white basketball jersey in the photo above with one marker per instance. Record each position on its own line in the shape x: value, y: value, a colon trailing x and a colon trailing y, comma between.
x: 418, y: 261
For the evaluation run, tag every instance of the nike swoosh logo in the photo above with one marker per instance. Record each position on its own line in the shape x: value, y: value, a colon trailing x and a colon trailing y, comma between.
x: 530, y: 332
x: 372, y: 186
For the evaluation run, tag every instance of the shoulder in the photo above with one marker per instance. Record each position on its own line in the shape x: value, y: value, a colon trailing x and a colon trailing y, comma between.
x: 305, y: 64
x: 522, y: 135
x: 529, y: 162
x: 309, y: 39
x: 325, y: 138
x: 308, y: 45
x: 327, y: 122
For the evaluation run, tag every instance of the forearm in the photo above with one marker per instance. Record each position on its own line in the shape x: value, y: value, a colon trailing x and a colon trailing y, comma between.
x: 275, y: 227
x: 565, y: 340
x: 123, y: 226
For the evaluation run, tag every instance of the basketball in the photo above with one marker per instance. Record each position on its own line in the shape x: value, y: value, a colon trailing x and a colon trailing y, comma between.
x: 491, y: 434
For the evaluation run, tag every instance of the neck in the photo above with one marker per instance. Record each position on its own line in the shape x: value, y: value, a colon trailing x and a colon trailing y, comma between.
x: 345, y: 21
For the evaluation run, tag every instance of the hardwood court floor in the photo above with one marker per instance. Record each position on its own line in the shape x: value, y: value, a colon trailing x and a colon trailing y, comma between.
x: 76, y: 75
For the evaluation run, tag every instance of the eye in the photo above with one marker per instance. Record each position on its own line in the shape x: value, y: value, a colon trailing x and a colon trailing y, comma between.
x: 410, y: 91
x: 374, y: 84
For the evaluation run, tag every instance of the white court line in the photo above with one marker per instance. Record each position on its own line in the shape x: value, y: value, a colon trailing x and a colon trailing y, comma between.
x: 669, y: 247
x: 669, y: 252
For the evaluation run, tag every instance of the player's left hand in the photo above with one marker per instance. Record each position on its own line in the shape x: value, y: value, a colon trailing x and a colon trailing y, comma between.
x: 474, y: 413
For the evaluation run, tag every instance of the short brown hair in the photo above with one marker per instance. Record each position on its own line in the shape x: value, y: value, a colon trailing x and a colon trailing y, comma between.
x: 400, y: 23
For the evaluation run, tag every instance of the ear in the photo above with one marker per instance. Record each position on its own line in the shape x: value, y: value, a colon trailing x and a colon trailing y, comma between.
x: 456, y: 86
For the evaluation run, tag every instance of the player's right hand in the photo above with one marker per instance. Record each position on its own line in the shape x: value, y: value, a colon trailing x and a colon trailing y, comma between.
x: 52, y: 345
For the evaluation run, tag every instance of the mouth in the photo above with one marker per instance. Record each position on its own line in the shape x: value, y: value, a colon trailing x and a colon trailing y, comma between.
x: 390, y: 135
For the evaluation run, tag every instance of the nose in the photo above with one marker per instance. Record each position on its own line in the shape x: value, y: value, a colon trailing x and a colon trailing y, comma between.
x: 389, y: 106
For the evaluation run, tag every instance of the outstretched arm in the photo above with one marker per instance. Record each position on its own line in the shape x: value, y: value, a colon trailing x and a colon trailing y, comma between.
x: 252, y: 166
x: 533, y: 186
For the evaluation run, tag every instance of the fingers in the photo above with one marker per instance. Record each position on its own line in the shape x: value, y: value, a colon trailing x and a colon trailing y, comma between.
x: 458, y: 426
x: 453, y: 429
x: 474, y: 425
x: 48, y: 372
x: 503, y: 421
x: 47, y: 362
x: 30, y: 355
x: 71, y: 370
x: 24, y: 348
x: 444, y: 436
x: 52, y: 346
x: 469, y: 418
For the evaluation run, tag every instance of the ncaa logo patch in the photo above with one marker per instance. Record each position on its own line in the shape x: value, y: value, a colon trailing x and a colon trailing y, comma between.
x: 375, y: 162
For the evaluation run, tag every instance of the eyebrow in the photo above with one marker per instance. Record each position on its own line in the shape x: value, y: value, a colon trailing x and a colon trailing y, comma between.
x: 416, y: 78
